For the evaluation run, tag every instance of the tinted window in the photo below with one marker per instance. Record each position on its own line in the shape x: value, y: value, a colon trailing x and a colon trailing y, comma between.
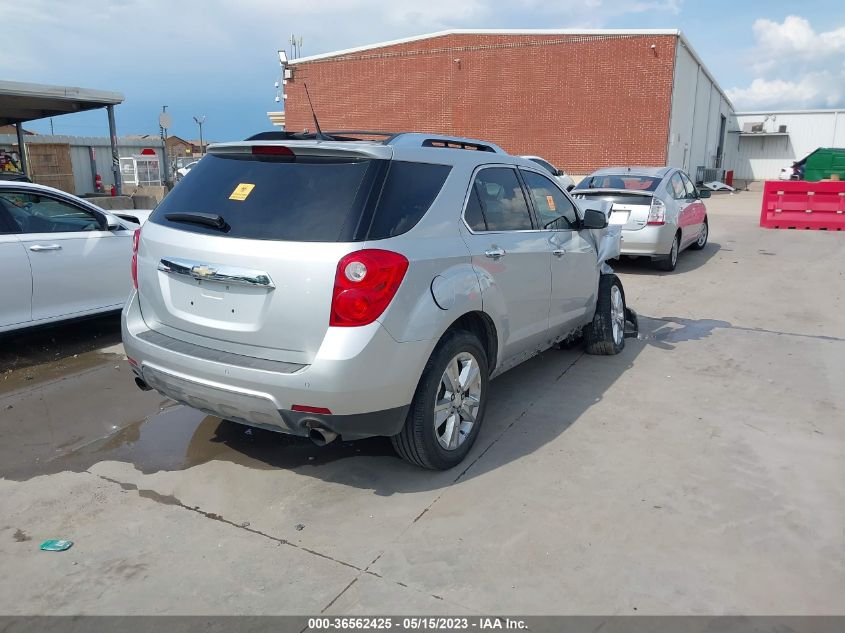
x: 305, y: 199
x: 408, y: 192
x: 620, y: 181
x: 554, y: 210
x: 502, y: 201
x: 473, y: 215
x: 676, y: 187
x: 688, y: 186
x: 37, y: 213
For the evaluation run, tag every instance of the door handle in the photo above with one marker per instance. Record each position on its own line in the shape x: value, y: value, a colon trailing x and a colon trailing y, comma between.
x: 37, y: 248
x: 559, y: 252
x: 495, y: 253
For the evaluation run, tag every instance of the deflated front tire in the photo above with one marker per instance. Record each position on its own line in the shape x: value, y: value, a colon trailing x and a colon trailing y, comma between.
x: 605, y: 335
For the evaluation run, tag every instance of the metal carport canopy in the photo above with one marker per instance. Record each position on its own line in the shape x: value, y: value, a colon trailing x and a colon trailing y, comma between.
x: 21, y: 102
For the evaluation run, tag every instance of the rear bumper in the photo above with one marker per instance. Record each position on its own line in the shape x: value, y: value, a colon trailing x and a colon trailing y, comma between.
x: 362, y: 375
x: 655, y: 240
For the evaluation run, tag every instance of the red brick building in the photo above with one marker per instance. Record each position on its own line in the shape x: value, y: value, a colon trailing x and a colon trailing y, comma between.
x: 581, y: 99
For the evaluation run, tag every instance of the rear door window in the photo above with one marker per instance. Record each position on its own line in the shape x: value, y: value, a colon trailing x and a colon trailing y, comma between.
x: 502, y: 200
x: 676, y: 186
x: 691, y: 191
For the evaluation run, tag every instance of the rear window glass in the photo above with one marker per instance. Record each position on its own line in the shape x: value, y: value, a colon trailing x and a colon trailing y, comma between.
x: 621, y: 181
x: 408, y: 192
x: 303, y: 199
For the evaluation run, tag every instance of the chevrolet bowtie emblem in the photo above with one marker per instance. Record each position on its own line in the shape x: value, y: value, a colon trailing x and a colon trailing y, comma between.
x: 202, y: 271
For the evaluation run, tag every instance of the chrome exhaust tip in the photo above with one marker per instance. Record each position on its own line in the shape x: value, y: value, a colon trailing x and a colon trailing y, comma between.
x: 321, y: 436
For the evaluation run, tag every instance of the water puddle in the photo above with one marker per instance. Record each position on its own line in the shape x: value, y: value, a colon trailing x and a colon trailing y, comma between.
x: 180, y: 437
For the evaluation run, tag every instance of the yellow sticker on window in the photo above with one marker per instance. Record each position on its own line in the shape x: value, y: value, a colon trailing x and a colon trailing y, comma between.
x: 242, y: 191
x: 551, y: 202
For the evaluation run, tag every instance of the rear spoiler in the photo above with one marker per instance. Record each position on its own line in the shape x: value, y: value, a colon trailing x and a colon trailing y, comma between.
x: 308, y: 148
x: 633, y: 192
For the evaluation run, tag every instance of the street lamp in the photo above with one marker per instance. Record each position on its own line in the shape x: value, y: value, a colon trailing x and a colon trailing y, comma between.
x: 200, y: 120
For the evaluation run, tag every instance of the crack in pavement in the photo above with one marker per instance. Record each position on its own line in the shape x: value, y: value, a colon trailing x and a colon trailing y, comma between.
x: 335, y: 599
x: 152, y: 495
x: 473, y: 463
x: 146, y: 493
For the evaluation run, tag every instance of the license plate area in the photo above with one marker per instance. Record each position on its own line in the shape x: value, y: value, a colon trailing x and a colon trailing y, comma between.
x: 213, y: 303
x: 618, y: 217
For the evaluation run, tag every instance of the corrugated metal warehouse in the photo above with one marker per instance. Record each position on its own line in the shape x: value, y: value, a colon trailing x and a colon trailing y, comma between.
x: 766, y: 142
x: 582, y: 99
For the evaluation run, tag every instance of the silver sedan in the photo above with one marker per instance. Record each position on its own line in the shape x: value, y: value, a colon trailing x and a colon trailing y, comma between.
x: 659, y: 208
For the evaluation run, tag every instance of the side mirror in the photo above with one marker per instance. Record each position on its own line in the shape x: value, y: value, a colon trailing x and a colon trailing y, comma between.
x: 594, y: 219
x: 111, y: 223
x: 703, y: 193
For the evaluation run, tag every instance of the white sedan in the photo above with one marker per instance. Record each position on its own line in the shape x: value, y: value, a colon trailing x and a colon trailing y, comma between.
x: 60, y: 256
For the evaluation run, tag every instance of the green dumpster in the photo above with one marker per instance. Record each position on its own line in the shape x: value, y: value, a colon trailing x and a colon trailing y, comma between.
x: 823, y: 163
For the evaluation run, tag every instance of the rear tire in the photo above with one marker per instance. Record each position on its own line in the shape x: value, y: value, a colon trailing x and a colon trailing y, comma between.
x: 669, y: 262
x: 701, y: 242
x: 605, y: 335
x: 442, y: 423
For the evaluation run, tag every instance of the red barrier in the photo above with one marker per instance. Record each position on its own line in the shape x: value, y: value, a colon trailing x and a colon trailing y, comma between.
x: 797, y: 204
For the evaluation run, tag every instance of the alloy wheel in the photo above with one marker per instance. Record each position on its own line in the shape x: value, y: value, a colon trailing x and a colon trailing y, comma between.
x: 702, y: 239
x: 617, y: 314
x: 458, y: 400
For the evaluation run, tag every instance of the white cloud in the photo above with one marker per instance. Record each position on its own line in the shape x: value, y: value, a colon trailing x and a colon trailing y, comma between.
x: 796, y: 66
x: 819, y: 89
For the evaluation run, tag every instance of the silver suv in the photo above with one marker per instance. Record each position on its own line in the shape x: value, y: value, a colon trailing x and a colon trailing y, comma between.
x: 364, y: 287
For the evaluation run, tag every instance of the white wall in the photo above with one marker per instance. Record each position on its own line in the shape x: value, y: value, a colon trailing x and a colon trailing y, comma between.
x: 762, y: 157
x: 697, y: 104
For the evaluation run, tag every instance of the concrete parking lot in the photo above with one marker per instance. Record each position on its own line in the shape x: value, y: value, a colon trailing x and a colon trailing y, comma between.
x: 699, y: 472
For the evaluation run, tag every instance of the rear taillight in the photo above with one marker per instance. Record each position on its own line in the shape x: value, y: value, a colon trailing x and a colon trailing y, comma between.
x: 136, y: 237
x: 364, y: 285
x: 657, y: 212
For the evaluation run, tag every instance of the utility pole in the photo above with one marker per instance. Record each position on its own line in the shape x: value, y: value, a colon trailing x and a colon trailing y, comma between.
x: 200, y: 120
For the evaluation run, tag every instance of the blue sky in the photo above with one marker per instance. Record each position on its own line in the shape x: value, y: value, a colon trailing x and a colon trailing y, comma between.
x: 218, y: 58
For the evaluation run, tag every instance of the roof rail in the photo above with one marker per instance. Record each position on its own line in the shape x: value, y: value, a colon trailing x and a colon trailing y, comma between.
x: 417, y: 139
x: 446, y: 143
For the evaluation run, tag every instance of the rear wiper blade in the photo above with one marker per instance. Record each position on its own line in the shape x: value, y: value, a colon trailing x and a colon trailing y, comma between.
x: 206, y: 219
